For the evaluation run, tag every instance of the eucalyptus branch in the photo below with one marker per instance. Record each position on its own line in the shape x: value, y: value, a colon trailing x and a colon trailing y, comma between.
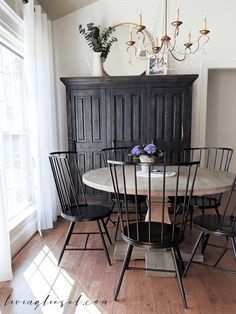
x: 98, y: 40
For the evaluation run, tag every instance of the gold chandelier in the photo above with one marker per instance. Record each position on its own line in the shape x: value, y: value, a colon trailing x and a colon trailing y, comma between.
x: 160, y: 49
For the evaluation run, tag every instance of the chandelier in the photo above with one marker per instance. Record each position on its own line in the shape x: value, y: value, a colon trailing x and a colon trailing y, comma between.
x: 166, y: 45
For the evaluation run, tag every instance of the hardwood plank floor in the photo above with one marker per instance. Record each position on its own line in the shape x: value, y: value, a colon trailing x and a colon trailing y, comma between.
x: 87, y: 278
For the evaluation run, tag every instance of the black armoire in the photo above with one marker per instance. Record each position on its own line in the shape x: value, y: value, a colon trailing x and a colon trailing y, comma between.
x: 125, y: 111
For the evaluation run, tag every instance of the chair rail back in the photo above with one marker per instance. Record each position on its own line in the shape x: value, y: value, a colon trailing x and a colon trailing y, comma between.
x: 116, y: 153
x: 228, y: 218
x: 214, y: 158
x: 126, y: 181
x: 67, y: 177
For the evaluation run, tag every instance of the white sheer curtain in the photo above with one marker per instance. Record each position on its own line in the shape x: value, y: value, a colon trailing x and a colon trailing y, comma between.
x: 5, y: 252
x: 41, y: 97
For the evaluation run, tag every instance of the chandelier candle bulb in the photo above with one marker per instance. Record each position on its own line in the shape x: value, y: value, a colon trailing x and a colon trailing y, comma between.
x: 130, y: 32
x: 140, y: 19
x: 130, y: 36
x: 177, y: 15
x: 155, y: 43
x: 204, y: 23
x: 189, y: 38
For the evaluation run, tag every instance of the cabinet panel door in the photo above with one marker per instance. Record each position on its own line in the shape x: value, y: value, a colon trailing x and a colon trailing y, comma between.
x: 89, y: 127
x: 128, y: 116
x: 170, y: 118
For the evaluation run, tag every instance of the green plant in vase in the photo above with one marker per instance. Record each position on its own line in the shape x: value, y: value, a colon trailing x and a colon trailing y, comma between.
x: 99, y: 40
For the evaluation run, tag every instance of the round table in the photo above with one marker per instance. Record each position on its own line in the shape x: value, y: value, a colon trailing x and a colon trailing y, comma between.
x: 207, y: 182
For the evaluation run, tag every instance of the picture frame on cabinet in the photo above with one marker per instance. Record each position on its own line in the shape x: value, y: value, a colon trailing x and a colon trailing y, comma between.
x: 156, y: 68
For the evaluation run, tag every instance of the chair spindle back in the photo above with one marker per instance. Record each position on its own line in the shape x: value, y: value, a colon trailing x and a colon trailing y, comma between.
x: 228, y: 218
x: 116, y: 153
x: 213, y: 158
x: 67, y: 178
x: 127, y: 179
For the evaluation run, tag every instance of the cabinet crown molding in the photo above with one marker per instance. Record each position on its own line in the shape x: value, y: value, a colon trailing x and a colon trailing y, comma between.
x: 160, y: 80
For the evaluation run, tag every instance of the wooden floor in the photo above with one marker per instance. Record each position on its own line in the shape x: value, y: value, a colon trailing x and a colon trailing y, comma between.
x: 86, y: 277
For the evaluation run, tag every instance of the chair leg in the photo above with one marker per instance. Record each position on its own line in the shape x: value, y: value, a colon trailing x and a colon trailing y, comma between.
x: 179, y: 257
x: 117, y: 226
x: 191, y: 217
x: 106, y: 231
x: 104, y: 243
x: 221, y: 256
x: 181, y: 287
x: 232, y: 240
x: 109, y: 217
x: 68, y: 236
x: 123, y: 269
x: 217, y: 211
x: 223, y: 253
x: 204, y: 245
x: 193, y: 252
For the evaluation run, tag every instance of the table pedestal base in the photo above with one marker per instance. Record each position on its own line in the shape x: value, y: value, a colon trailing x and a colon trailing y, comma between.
x: 120, y: 248
x: 159, y: 259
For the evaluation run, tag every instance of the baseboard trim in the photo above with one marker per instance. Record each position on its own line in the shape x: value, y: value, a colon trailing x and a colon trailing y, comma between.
x: 23, y: 232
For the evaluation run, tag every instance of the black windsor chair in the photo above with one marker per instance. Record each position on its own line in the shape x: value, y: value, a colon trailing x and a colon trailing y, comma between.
x: 213, y: 158
x: 218, y: 225
x: 150, y: 234
x: 68, y: 180
x: 121, y: 154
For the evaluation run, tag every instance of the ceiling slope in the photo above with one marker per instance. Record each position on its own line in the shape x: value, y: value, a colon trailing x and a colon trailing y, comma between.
x: 58, y: 8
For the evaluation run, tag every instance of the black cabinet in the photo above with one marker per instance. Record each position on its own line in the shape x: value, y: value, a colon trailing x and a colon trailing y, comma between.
x: 87, y: 125
x: 128, y: 116
x: 119, y: 111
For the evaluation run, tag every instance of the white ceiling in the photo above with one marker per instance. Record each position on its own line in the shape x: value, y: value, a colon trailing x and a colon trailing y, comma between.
x: 58, y: 8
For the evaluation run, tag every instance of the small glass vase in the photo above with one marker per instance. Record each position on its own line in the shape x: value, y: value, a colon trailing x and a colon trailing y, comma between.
x: 146, y: 159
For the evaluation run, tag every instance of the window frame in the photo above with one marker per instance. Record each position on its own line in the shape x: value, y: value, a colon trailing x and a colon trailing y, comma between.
x: 21, y: 135
x: 24, y: 226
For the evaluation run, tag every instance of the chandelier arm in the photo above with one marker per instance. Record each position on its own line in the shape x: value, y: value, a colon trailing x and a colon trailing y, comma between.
x: 141, y: 39
x: 178, y: 50
x: 130, y: 53
x: 176, y: 33
x: 178, y: 59
x: 198, y: 43
x: 172, y: 46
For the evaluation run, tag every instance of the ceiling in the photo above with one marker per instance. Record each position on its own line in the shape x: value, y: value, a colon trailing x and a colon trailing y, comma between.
x: 58, y: 8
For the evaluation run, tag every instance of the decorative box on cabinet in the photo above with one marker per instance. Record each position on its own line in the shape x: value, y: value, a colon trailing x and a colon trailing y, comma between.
x: 128, y: 110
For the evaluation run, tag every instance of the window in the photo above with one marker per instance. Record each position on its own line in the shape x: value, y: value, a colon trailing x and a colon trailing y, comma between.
x: 16, y: 158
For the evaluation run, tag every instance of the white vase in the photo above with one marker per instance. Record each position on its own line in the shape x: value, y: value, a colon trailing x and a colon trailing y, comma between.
x: 146, y: 159
x: 97, y: 64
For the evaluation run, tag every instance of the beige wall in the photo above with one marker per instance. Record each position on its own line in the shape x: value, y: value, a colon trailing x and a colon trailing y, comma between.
x: 221, y: 110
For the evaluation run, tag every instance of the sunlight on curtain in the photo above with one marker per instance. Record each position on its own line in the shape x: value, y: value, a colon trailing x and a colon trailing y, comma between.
x: 40, y: 92
x: 5, y: 253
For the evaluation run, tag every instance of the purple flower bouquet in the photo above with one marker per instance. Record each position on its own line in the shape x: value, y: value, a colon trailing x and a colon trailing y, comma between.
x: 149, y: 150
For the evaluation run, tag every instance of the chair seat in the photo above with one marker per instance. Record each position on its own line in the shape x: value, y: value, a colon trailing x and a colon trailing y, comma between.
x: 86, y: 212
x: 205, y: 202
x: 210, y: 224
x: 155, y: 241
